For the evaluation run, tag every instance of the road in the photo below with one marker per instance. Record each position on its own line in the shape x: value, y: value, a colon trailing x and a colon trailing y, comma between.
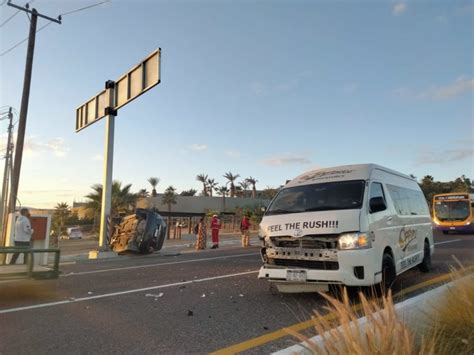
x: 196, y: 302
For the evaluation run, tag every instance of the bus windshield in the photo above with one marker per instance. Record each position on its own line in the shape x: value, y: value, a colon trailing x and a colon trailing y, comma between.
x: 452, y: 210
x: 319, y: 197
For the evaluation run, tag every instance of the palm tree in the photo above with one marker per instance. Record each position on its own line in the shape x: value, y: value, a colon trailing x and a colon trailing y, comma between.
x: 61, y: 214
x: 223, y: 191
x: 252, y: 181
x: 211, y: 186
x: 122, y: 199
x: 244, y: 185
x: 153, y: 182
x: 203, y: 179
x: 231, y: 177
x: 143, y: 193
x: 169, y: 198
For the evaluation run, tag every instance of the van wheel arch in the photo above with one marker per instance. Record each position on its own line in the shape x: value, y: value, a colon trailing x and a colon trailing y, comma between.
x: 425, y: 265
x: 389, y: 272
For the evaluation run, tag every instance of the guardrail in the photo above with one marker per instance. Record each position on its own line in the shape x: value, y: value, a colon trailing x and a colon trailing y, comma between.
x: 44, y: 273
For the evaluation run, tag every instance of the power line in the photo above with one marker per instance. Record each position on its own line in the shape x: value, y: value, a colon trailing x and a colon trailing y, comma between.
x: 47, y: 24
x: 8, y: 19
x: 24, y: 40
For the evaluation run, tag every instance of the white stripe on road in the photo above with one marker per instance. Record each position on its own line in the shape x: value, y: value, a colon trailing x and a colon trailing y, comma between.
x: 113, y: 294
x: 155, y: 265
x: 448, y: 241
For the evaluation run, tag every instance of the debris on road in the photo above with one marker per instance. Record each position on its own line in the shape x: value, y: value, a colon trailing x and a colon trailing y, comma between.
x: 190, y: 313
x: 155, y: 295
x: 203, y: 295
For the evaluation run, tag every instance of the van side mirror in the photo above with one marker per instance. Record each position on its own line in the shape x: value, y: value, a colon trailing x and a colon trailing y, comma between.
x: 377, y: 204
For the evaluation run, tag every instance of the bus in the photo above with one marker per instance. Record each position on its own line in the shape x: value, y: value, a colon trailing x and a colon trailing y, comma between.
x: 454, y: 212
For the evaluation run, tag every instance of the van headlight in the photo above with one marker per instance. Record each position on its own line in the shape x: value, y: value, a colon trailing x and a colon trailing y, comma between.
x: 354, y: 241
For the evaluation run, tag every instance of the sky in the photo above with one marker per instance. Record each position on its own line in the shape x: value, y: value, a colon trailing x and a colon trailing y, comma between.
x: 267, y: 89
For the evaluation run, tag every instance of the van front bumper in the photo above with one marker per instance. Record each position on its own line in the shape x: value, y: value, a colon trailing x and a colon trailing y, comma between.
x: 356, y: 268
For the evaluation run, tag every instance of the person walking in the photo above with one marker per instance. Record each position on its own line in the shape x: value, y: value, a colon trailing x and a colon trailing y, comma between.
x: 215, y: 226
x: 245, y: 230
x: 201, y: 234
x: 23, y: 234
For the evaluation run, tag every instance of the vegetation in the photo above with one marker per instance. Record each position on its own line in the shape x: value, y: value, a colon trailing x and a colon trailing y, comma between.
x: 122, y: 199
x: 252, y: 181
x: 169, y: 198
x: 223, y: 191
x: 203, y: 179
x: 231, y: 181
x: 190, y: 192
x: 143, y: 193
x: 154, y: 181
x: 431, y: 187
x: 60, y: 217
x: 211, y: 186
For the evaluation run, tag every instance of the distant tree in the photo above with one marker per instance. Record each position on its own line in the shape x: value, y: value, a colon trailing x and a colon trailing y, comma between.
x: 223, y: 191
x: 202, y: 178
x: 211, y: 186
x: 430, y: 187
x: 61, y: 214
x: 270, y: 192
x: 122, y: 199
x: 244, y: 185
x: 169, y: 198
x: 143, y: 193
x: 154, y: 181
x: 252, y: 181
x: 190, y: 192
x: 231, y: 180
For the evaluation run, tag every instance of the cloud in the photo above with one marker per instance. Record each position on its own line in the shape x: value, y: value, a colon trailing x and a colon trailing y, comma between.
x: 399, y: 8
x: 198, y: 147
x: 33, y: 147
x: 258, y: 88
x: 233, y: 153
x: 287, y: 159
x: 97, y: 157
x: 440, y: 157
x: 350, y: 88
x: 456, y: 88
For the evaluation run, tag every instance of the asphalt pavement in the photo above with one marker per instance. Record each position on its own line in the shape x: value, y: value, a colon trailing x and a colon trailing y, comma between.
x: 195, y: 302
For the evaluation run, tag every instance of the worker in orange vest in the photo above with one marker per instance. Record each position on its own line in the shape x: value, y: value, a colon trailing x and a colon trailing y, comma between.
x: 215, y: 226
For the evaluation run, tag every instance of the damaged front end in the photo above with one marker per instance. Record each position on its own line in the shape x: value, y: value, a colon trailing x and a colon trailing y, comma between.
x: 142, y: 232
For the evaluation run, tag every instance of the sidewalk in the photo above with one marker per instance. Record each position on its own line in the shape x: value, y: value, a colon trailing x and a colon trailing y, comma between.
x: 78, y: 250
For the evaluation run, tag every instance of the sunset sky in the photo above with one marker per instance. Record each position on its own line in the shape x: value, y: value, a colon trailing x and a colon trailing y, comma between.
x: 267, y: 89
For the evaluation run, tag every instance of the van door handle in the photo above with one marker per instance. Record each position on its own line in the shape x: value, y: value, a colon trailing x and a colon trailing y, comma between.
x: 389, y: 219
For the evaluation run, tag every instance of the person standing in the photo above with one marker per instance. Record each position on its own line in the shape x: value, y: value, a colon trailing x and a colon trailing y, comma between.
x: 23, y: 234
x: 245, y: 230
x: 215, y: 226
x: 201, y: 234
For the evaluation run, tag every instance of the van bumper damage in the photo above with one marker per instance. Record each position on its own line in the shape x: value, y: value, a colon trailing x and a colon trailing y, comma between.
x: 313, y: 270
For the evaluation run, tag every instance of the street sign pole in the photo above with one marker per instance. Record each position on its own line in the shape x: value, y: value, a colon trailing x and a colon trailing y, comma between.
x: 106, y: 207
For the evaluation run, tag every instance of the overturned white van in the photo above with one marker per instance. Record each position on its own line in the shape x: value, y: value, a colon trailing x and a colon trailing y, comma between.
x: 354, y: 225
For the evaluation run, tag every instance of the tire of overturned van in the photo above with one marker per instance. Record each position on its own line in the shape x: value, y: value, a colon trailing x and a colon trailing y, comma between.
x: 389, y: 272
x: 425, y: 265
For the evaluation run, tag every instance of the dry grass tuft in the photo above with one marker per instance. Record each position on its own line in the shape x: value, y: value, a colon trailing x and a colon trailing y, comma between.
x: 383, y: 333
x: 453, y: 315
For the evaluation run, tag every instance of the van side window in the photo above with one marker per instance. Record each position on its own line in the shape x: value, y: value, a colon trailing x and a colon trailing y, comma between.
x: 408, y: 202
x: 376, y: 190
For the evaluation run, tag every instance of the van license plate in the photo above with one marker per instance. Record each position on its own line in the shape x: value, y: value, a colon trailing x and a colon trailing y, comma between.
x: 452, y: 228
x: 296, y: 275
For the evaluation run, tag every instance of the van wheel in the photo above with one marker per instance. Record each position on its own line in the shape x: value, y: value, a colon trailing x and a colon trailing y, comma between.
x: 388, y: 272
x: 425, y: 265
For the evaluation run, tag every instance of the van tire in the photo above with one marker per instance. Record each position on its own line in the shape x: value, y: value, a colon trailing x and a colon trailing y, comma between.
x: 389, y: 272
x: 425, y: 265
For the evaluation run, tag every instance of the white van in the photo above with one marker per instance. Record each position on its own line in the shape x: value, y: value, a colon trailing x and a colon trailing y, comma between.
x: 354, y: 225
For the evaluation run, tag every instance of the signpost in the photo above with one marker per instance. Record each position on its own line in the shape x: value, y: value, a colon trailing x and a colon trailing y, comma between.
x: 138, y: 80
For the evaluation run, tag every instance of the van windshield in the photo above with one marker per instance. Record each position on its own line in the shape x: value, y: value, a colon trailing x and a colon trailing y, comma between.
x: 341, y: 195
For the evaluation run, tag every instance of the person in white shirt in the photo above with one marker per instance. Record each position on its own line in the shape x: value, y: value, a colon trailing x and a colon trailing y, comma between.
x: 23, y: 233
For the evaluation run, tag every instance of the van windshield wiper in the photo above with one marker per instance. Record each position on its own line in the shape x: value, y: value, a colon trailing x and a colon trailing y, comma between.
x: 324, y: 208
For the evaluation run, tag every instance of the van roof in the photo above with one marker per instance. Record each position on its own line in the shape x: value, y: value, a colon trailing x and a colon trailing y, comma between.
x: 340, y: 173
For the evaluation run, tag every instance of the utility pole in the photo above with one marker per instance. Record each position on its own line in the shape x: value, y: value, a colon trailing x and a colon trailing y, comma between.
x: 24, y: 99
x: 6, y: 175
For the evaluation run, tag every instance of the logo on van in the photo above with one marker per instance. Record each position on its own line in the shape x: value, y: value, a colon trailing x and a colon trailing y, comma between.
x: 332, y: 174
x: 406, y: 237
x: 298, y: 233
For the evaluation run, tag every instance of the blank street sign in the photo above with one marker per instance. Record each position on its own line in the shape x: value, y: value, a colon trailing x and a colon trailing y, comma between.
x: 129, y: 86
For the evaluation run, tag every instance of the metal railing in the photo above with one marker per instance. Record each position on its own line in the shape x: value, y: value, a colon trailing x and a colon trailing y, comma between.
x: 30, y: 272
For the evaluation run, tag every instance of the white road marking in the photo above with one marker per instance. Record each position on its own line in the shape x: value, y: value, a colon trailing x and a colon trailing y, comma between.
x: 113, y: 294
x: 155, y: 265
x: 448, y: 241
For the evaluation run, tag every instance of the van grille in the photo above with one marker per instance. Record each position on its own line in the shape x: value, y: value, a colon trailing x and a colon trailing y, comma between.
x: 307, y: 242
x: 308, y: 264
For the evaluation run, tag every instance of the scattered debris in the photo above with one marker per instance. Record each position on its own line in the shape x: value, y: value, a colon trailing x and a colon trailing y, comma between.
x: 90, y: 293
x: 265, y: 328
x: 241, y: 295
x: 203, y: 295
x: 190, y: 313
x: 155, y: 295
